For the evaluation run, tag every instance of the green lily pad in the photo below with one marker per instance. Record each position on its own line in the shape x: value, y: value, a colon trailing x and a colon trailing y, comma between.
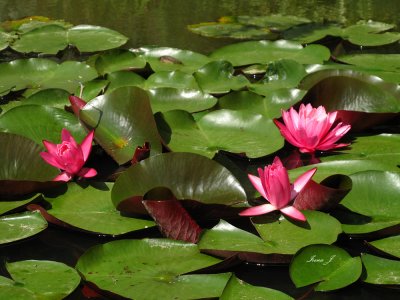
x: 238, y: 289
x: 47, y: 39
x: 377, y: 152
x: 246, y: 53
x: 374, y: 194
x: 5, y: 39
x: 284, y: 73
x: 277, y: 22
x: 287, y: 237
x: 277, y: 236
x: 91, y: 89
x: 381, y: 270
x: 218, y: 77
x: 308, y: 33
x: 151, y: 269
x: 39, y: 73
x: 351, y: 90
x: 46, y: 279
x: 11, y: 290
x: 269, y: 106
x: 50, y: 97
x: 40, y: 123
x: 165, y: 99
x: 90, y: 208
x: 388, y: 245
x: 6, y: 206
x: 387, y: 62
x: 175, y: 79
x: 233, y: 131
x: 20, y: 160
x: 120, y: 79
x: 89, y: 38
x: 118, y: 60
x: 20, y: 226
x: 171, y: 59
x: 211, y: 183
x: 123, y: 121
x: 329, y: 266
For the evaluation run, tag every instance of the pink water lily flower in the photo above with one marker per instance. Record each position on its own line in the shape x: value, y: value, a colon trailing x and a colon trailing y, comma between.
x: 274, y: 185
x: 69, y: 156
x: 312, y: 129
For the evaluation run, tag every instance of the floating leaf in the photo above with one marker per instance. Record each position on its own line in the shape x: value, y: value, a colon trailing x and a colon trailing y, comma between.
x: 217, y: 77
x: 234, y: 131
x: 166, y: 99
x: 20, y: 226
x: 374, y: 194
x: 118, y: 60
x: 40, y: 123
x: 387, y: 62
x: 47, y: 39
x: 269, y: 106
x: 6, y: 206
x: 123, y: 120
x: 329, y: 266
x: 253, y: 52
x: 46, y: 279
x: 351, y: 90
x: 151, y: 269
x: 174, y: 79
x: 388, y: 245
x: 123, y: 79
x: 90, y: 208
x: 171, y: 59
x: 39, y: 73
x: 211, y: 183
x: 381, y: 270
x: 277, y: 236
x: 238, y: 289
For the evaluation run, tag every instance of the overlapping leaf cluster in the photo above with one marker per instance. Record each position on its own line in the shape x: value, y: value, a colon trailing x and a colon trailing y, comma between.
x: 208, y: 121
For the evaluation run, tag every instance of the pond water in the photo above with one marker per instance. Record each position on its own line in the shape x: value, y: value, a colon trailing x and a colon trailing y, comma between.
x: 163, y: 23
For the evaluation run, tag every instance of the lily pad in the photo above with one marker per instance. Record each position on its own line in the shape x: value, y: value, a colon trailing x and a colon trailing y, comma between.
x: 246, y: 53
x: 20, y: 160
x: 374, y: 194
x: 47, y: 39
x: 233, y: 131
x: 39, y: 123
x: 46, y: 279
x: 238, y: 289
x: 6, y: 206
x: 218, y: 77
x: 118, y: 60
x: 151, y: 269
x: 20, y: 226
x: 329, y: 266
x: 166, y: 99
x: 171, y: 59
x: 39, y: 73
x: 380, y: 270
x: 388, y: 245
x: 175, y: 79
x: 123, y: 121
x: 211, y: 183
x: 269, y: 106
x: 387, y: 62
x: 277, y: 236
x: 351, y: 90
x: 90, y: 208
x: 120, y: 79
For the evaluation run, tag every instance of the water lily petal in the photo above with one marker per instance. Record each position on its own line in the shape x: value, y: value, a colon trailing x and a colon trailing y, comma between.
x: 51, y: 160
x: 86, y: 145
x: 258, y: 210
x: 64, y: 176
x: 286, y: 133
x: 67, y: 137
x: 51, y: 148
x: 301, y: 181
x: 87, y: 172
x: 293, y: 212
x: 256, y: 181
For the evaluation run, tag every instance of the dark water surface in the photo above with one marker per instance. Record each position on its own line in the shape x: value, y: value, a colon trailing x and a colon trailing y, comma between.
x: 163, y: 23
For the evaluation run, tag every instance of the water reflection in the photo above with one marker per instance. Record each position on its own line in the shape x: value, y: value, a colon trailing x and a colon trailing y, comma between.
x: 163, y: 22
